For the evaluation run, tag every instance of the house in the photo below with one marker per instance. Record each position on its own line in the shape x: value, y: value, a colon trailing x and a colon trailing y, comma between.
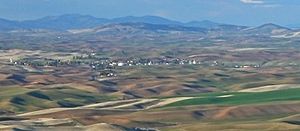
x: 121, y: 64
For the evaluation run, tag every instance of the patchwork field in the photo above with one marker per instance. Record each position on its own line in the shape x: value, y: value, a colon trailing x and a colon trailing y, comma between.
x: 95, y: 82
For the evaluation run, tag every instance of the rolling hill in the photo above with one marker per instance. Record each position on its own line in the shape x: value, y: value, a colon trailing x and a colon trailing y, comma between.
x: 268, y: 29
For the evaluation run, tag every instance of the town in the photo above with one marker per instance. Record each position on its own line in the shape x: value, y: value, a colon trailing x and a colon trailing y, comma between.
x: 105, y: 67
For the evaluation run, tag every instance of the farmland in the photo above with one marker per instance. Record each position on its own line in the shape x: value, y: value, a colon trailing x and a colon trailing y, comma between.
x: 138, y: 76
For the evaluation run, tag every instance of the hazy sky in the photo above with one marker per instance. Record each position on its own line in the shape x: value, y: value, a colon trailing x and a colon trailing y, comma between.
x: 243, y: 12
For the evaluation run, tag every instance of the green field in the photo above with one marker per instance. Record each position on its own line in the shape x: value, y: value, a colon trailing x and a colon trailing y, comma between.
x: 22, y: 100
x: 238, y: 98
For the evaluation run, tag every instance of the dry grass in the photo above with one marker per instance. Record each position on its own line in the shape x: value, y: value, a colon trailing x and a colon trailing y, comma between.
x: 238, y: 126
x: 271, y: 88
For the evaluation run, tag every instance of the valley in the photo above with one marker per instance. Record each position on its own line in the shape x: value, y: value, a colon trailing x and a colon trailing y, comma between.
x: 138, y: 76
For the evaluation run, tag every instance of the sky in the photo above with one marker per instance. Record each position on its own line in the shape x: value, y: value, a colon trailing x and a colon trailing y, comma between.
x: 241, y: 12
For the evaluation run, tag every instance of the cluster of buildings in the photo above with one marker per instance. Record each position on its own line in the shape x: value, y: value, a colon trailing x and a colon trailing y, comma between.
x: 106, y: 67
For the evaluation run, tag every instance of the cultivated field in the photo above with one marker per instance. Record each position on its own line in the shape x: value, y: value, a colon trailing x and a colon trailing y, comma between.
x: 132, y: 83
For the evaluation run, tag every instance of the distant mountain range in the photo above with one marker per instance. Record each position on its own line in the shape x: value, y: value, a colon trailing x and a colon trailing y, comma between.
x: 154, y: 25
x: 76, y: 21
